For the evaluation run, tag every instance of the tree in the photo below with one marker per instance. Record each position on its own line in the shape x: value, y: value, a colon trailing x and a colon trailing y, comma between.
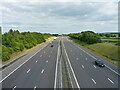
x: 14, y: 41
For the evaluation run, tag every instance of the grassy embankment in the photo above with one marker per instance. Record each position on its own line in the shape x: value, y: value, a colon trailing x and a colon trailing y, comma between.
x: 25, y: 51
x: 106, y: 50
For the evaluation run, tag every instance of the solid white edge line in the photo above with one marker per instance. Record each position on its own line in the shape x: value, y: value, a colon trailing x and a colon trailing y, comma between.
x: 71, y: 68
x: 85, y: 52
x: 56, y: 66
x: 96, y: 59
x: 34, y: 87
x: 93, y: 81
x: 28, y: 71
x: 110, y: 80
x: 112, y: 70
x: 61, y: 74
x: 14, y: 88
x: 21, y: 64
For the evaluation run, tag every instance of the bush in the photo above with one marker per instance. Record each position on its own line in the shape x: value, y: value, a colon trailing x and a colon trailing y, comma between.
x: 88, y: 37
x: 14, y: 41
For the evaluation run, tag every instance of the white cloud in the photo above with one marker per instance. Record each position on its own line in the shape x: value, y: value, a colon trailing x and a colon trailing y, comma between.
x: 60, y: 17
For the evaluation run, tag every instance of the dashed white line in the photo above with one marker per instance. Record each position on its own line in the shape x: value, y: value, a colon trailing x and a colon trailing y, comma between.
x: 36, y: 61
x: 96, y: 59
x: 28, y: 71
x: 14, y: 88
x: 82, y: 66
x: 47, y: 61
x: 21, y: 64
x: 77, y: 58
x: 86, y: 52
x: 111, y: 81
x: 34, y: 87
x: 94, y: 81
x: 49, y: 56
x: 94, y: 66
x: 42, y: 71
x: 40, y: 55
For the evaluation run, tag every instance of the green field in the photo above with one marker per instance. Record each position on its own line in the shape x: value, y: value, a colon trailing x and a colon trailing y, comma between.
x: 110, y: 39
x: 108, y: 51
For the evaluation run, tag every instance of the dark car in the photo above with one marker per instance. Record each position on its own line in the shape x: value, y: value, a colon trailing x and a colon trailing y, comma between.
x: 99, y: 63
x: 51, y: 45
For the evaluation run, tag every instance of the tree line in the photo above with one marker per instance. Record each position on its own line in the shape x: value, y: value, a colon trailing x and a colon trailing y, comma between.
x: 88, y: 37
x: 14, y: 41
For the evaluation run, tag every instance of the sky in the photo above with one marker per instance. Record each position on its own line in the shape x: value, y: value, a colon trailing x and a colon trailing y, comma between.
x: 59, y: 16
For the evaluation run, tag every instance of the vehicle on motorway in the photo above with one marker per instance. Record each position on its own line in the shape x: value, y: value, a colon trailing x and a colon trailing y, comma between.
x: 55, y: 38
x: 99, y: 63
x: 52, y: 45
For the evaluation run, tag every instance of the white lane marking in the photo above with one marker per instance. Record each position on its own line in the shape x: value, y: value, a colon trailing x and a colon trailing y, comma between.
x: 86, y: 59
x: 21, y: 64
x: 82, y: 66
x: 94, y: 81
x: 47, y: 61
x: 49, y: 56
x: 110, y: 80
x: 112, y: 70
x: 77, y: 58
x: 40, y: 55
x: 36, y: 61
x: 42, y: 71
x: 34, y: 87
x: 94, y: 66
x: 86, y: 52
x: 71, y: 67
x: 56, y: 66
x: 14, y: 88
x: 61, y: 86
x: 96, y: 59
x: 28, y: 71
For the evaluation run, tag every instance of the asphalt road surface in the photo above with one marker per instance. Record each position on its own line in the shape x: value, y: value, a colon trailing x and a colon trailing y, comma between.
x: 38, y: 69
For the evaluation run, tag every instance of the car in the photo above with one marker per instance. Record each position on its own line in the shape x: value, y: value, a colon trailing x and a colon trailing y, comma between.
x: 51, y: 45
x: 99, y: 63
x: 55, y: 38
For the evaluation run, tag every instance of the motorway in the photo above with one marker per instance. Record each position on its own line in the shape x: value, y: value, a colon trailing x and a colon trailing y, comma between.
x: 40, y: 68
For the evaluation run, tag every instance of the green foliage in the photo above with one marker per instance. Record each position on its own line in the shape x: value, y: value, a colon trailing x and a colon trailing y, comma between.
x: 118, y: 43
x: 14, y: 41
x: 108, y: 35
x: 88, y: 37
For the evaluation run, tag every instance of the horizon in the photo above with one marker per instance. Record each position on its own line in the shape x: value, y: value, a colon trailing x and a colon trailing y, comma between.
x: 60, y: 17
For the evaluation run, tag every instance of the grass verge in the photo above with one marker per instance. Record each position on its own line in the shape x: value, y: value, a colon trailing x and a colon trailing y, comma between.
x: 108, y: 51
